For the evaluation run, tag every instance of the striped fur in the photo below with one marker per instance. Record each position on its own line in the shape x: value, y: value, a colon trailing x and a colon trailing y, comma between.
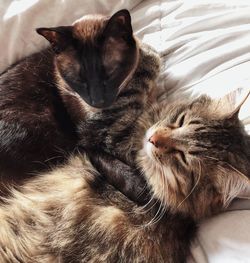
x: 62, y: 217
x: 72, y: 215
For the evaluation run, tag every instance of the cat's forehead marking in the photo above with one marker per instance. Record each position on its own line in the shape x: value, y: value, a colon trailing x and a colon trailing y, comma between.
x: 89, y: 27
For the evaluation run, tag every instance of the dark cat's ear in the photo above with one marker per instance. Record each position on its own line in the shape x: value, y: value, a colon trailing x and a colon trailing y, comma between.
x: 119, y: 44
x: 119, y: 25
x: 59, y: 37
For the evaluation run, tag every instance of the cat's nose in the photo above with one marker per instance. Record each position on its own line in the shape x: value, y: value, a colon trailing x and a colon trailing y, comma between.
x: 156, y: 141
x: 98, y: 103
x: 161, y: 140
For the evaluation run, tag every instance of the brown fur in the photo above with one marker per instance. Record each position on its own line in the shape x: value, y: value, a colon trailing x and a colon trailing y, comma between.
x: 105, y: 227
x: 198, y: 152
x: 72, y: 215
x: 44, y: 115
x: 89, y: 28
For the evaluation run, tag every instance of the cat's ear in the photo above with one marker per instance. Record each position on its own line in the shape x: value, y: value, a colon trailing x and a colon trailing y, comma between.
x: 119, y: 44
x: 232, y: 103
x: 240, y: 101
x: 119, y: 25
x: 59, y: 37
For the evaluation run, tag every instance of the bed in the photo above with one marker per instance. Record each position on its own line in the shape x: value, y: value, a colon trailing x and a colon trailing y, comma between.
x: 205, y: 48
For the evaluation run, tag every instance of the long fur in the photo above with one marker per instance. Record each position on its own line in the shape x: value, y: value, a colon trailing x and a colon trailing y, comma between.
x: 72, y: 215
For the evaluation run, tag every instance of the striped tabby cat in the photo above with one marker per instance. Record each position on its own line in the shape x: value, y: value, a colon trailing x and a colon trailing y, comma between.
x: 195, y: 157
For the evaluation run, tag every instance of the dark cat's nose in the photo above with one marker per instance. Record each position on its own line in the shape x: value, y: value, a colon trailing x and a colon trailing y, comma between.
x: 98, y: 103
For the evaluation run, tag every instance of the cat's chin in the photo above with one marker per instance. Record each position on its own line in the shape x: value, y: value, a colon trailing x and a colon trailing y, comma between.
x: 148, y: 147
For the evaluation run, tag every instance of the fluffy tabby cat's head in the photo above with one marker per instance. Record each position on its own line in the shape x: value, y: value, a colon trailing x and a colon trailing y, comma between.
x: 96, y: 56
x: 197, y: 158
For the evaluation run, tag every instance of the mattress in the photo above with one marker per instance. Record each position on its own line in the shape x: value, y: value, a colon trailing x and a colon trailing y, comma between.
x: 205, y: 48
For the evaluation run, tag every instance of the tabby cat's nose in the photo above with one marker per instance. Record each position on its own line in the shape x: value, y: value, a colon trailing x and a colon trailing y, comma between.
x: 154, y: 140
x: 160, y: 139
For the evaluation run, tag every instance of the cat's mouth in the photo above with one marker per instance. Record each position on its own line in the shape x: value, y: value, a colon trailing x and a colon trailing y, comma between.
x: 163, y: 144
x: 147, y: 146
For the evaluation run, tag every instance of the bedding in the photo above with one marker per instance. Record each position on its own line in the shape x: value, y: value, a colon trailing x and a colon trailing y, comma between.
x: 205, y: 48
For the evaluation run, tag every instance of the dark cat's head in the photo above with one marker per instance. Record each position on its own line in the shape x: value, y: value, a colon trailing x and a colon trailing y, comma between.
x: 197, y: 157
x: 96, y: 56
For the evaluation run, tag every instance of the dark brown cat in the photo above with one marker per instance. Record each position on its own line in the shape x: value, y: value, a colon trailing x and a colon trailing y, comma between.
x: 95, y: 77
x: 195, y: 157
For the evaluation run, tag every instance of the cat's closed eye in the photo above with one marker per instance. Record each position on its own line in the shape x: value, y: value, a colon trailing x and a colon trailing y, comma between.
x: 181, y: 120
x: 196, y: 121
x: 194, y: 153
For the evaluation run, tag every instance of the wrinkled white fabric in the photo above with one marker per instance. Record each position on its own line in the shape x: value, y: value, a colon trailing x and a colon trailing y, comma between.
x: 205, y: 48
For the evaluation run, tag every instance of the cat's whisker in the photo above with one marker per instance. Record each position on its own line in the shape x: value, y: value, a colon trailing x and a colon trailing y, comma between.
x: 149, y: 205
x: 193, y: 188
x: 163, y: 198
x: 142, y: 191
x: 144, y: 187
x: 144, y: 208
x: 162, y: 209
x: 243, y: 197
x: 60, y: 150
x: 164, y: 186
x: 141, y: 210
x: 52, y: 158
x: 157, y: 217
x: 238, y: 172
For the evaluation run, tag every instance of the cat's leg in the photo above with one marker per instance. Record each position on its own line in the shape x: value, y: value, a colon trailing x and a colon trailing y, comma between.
x: 128, y: 180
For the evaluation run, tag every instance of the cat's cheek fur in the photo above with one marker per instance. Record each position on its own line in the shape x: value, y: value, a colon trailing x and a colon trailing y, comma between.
x: 160, y: 178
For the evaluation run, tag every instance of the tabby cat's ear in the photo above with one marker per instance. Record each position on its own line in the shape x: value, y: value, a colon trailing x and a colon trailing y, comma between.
x: 59, y: 37
x: 234, y: 101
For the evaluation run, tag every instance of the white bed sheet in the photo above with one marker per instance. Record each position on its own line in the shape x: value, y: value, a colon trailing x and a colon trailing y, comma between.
x: 205, y: 48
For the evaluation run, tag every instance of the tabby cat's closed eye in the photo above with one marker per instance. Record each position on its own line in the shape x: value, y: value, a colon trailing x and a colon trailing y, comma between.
x: 181, y: 120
